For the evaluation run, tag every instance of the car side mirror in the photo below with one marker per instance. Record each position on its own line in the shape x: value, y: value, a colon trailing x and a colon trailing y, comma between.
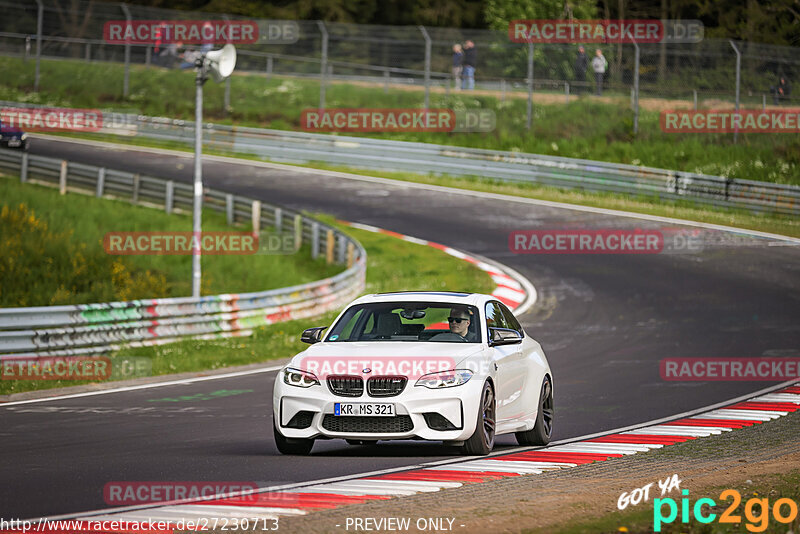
x: 312, y: 335
x: 503, y: 336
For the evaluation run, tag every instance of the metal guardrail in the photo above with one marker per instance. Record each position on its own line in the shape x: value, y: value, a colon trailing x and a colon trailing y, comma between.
x: 99, y: 328
x: 570, y: 173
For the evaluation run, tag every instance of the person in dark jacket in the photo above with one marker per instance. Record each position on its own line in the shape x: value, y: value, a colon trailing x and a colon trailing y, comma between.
x: 470, y: 61
x: 581, y: 64
x: 781, y: 91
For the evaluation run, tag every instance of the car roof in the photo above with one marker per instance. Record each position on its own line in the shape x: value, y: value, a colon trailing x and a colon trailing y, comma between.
x: 452, y: 297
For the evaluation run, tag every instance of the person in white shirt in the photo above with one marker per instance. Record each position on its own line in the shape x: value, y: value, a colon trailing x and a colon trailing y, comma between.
x: 599, y: 65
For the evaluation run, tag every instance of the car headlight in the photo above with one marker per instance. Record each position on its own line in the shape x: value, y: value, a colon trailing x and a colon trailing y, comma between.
x: 445, y: 379
x: 23, y: 137
x: 301, y: 379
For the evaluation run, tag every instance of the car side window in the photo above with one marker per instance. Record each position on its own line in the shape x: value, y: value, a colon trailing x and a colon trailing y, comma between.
x: 494, y: 316
x: 511, y: 320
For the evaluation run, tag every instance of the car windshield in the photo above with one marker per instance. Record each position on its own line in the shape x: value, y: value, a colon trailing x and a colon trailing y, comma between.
x: 436, y: 322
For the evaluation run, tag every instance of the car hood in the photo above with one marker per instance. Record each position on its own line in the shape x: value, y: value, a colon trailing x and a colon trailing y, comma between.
x: 382, y: 357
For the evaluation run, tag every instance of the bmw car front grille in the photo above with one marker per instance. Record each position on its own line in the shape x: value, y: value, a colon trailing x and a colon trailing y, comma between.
x: 346, y: 386
x: 386, y: 386
x: 387, y: 425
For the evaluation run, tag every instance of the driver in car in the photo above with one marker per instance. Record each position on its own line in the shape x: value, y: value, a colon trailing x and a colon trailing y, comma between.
x: 459, y: 321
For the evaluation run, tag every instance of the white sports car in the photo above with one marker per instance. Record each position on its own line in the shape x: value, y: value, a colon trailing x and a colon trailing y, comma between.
x: 452, y: 367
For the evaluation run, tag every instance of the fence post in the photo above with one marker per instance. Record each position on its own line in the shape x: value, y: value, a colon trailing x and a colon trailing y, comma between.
x: 427, y: 64
x: 147, y: 53
x: 101, y: 182
x: 764, y: 102
x: 298, y: 231
x: 269, y: 67
x: 62, y: 178
x: 566, y: 92
x: 125, y: 83
x: 636, y: 90
x: 39, y: 22
x: 323, y: 63
x: 256, y: 216
x: 502, y: 90
x: 169, y: 201
x: 694, y: 92
x: 386, y: 80
x: 278, y: 219
x: 229, y: 214
x: 23, y: 171
x: 27, y: 48
x: 329, y: 243
x: 738, y: 81
x: 88, y: 57
x: 227, y: 101
x: 530, y: 86
x: 340, y: 256
x: 314, y: 240
x: 135, y: 195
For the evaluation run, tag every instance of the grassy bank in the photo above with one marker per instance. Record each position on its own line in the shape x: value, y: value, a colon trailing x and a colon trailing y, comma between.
x: 53, y: 253
x: 586, y: 128
x: 423, y: 268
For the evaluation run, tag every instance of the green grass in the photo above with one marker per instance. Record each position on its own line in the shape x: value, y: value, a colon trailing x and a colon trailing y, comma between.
x: 585, y: 128
x: 421, y: 268
x: 60, y: 259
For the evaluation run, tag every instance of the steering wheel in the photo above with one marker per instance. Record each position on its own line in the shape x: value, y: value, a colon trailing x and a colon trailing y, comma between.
x: 448, y: 336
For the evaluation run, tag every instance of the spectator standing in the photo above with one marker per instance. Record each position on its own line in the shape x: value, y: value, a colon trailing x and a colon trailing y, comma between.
x: 470, y: 61
x: 599, y: 65
x: 781, y: 91
x: 581, y: 64
x: 458, y: 58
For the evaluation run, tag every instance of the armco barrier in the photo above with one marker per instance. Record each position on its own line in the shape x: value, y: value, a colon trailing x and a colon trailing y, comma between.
x: 363, y: 152
x: 98, y: 328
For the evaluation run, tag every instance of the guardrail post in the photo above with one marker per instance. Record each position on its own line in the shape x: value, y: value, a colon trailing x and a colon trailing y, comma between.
x: 298, y: 231
x: 323, y: 63
x: 427, y: 64
x: 135, y: 195
x: 62, y: 178
x: 229, y: 209
x: 39, y: 22
x: 168, y: 202
x: 314, y: 240
x: 329, y: 244
x: 256, y: 216
x: 23, y: 170
x: 350, y: 254
x: 738, y: 85
x: 126, y: 79
x: 530, y: 86
x: 340, y: 257
x: 101, y: 182
x: 278, y: 219
x: 636, y: 90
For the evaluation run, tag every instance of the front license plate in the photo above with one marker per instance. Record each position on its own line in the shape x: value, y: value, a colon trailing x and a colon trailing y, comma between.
x: 358, y: 409
x: 14, y: 143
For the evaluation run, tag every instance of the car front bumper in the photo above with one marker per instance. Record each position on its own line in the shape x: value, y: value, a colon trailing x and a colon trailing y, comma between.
x: 458, y: 404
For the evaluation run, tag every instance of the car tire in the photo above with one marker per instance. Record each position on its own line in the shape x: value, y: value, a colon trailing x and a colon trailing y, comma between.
x: 542, y: 431
x: 295, y: 446
x: 481, y: 442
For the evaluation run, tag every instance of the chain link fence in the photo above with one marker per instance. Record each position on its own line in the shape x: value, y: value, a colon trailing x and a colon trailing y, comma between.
x: 699, y: 75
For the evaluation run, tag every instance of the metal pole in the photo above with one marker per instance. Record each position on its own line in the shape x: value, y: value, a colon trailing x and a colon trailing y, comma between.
x: 530, y: 86
x: 427, y: 64
x: 738, y: 81
x: 198, y: 180
x: 39, y: 23
x: 764, y: 102
x: 125, y: 83
x: 566, y: 92
x: 694, y: 92
x: 636, y: 91
x: 227, y: 102
x: 324, y: 63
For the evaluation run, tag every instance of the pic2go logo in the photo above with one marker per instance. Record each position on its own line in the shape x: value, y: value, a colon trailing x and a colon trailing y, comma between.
x: 756, y: 511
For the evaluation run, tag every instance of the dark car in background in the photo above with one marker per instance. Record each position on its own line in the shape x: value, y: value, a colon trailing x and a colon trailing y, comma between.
x: 13, y: 137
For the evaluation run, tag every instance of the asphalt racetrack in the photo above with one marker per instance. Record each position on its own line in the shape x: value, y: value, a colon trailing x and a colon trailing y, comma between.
x: 604, y: 321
